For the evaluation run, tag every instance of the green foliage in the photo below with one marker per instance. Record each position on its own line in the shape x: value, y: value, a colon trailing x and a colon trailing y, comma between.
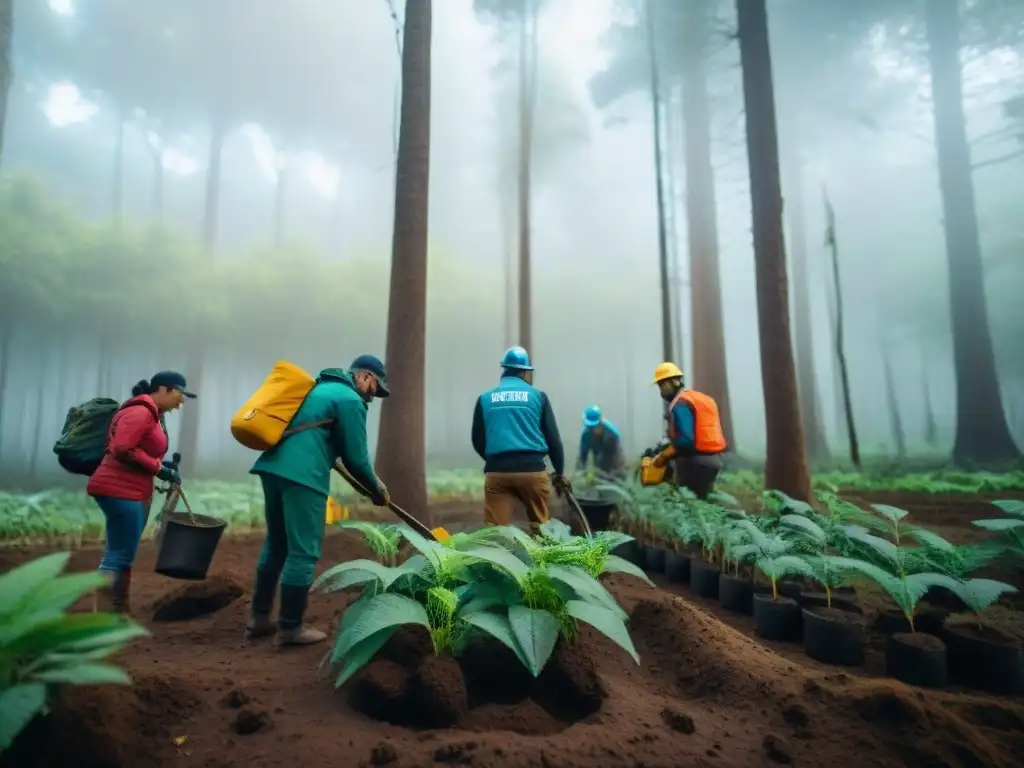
x: 42, y: 646
x: 523, y: 591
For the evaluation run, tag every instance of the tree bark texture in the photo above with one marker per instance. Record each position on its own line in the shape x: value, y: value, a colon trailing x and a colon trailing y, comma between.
x: 401, y: 447
x: 982, y: 434
x: 786, y: 461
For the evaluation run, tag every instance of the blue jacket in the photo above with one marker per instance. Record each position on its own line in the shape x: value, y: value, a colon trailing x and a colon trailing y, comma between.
x: 682, y: 417
x: 607, y: 450
x: 514, y: 428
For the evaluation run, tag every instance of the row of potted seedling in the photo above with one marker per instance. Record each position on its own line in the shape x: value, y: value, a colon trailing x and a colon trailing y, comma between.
x: 722, y: 553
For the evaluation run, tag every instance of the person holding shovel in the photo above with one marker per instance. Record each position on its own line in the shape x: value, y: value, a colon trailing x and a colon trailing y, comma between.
x: 514, y: 429
x: 695, y: 438
x: 601, y: 440
x: 296, y: 478
x: 122, y: 484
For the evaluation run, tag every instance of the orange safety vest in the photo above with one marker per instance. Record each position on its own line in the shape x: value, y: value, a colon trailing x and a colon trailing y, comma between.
x: 707, y: 425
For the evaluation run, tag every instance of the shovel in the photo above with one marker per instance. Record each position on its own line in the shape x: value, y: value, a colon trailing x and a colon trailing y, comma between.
x: 438, y: 534
x: 571, y: 498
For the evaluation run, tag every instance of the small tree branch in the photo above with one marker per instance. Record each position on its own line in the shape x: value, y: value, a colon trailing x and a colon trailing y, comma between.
x: 997, y: 160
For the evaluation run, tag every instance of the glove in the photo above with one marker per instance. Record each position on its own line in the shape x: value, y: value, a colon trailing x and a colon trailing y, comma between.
x: 561, y: 484
x: 169, y: 474
x: 381, y: 498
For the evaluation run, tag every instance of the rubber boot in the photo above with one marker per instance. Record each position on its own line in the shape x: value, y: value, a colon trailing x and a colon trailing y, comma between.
x: 119, y: 592
x: 259, y: 623
x: 290, y: 629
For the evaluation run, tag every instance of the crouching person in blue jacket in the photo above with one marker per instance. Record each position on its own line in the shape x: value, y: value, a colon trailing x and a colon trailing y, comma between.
x: 601, y: 440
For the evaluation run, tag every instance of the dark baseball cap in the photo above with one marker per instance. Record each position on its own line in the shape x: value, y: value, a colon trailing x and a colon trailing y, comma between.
x: 373, y: 365
x: 171, y: 380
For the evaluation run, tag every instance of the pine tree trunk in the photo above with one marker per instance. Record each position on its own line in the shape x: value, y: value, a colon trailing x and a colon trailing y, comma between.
x: 982, y: 434
x: 786, y: 462
x: 527, y: 104
x: 401, y: 446
x: 710, y: 374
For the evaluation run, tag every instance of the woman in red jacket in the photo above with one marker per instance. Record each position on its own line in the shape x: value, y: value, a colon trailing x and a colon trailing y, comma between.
x: 123, y: 483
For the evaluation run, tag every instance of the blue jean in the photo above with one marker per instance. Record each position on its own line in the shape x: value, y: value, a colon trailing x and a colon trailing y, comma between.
x: 125, y: 521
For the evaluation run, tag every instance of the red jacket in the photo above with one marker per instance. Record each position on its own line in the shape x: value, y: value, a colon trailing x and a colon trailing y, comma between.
x: 136, y: 446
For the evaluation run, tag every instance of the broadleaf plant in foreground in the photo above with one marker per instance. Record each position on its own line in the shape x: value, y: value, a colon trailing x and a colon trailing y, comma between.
x: 43, y: 646
x: 526, y: 592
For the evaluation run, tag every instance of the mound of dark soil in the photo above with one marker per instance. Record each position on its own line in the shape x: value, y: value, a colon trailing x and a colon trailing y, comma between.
x: 487, y: 688
x: 107, y: 726
x: 196, y: 599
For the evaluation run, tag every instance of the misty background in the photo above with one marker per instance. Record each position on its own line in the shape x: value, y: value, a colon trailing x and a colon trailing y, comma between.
x: 107, y: 134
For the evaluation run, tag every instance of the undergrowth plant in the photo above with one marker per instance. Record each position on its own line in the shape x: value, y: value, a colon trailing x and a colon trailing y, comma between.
x: 524, y: 591
x: 42, y: 646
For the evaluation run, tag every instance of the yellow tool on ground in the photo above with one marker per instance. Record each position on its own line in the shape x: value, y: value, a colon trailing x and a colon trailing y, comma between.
x: 651, y: 474
x: 335, y: 512
x: 437, y: 534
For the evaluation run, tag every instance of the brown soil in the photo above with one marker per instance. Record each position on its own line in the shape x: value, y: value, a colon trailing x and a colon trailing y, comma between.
x: 704, y: 695
x: 837, y: 614
x: 920, y: 640
x: 197, y: 599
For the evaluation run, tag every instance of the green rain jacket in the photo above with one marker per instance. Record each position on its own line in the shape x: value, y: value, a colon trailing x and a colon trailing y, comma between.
x: 306, y: 457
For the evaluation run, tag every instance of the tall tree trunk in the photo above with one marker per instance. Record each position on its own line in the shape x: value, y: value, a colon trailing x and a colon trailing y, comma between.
x: 527, y: 104
x: 786, y: 462
x: 510, y: 243
x: 401, y: 444
x: 792, y: 186
x: 678, y: 283
x: 6, y: 69
x: 931, y: 431
x: 832, y: 241
x: 982, y: 434
x: 188, y: 437
x: 709, y: 369
x: 659, y: 168
x: 892, y: 403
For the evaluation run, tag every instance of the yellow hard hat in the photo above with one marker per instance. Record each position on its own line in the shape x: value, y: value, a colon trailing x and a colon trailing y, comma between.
x: 666, y: 370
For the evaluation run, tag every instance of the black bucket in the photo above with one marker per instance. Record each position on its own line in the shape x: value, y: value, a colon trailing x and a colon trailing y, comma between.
x: 188, y: 545
x: 597, y: 513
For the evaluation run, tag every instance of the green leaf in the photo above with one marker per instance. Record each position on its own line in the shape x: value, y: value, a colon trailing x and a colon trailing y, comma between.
x: 585, y: 587
x: 113, y: 638
x: 501, y: 558
x: 381, y: 612
x: 605, y: 622
x: 361, y: 653
x: 70, y: 628
x: 536, y: 631
x: 499, y: 627
x: 999, y: 524
x: 485, y: 596
x: 979, y: 594
x: 804, y: 526
x: 21, y: 582
x: 85, y: 674
x: 616, y: 564
x: 893, y: 514
x: 18, y: 705
x: 431, y: 550
x: 1013, y: 507
x: 931, y: 540
x: 355, y: 572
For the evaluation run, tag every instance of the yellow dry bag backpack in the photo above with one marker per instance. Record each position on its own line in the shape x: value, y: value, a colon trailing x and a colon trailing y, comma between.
x: 261, y: 423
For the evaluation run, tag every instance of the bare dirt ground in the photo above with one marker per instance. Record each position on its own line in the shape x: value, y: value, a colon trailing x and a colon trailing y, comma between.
x: 705, y: 694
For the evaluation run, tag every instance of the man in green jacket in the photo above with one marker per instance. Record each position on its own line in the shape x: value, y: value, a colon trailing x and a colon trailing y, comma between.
x: 296, y: 477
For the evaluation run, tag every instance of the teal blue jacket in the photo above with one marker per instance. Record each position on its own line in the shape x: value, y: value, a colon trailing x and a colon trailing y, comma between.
x: 306, y: 457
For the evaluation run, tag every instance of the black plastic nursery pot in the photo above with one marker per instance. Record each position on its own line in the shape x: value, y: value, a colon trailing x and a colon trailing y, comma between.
x: 704, y: 579
x: 188, y: 545
x: 776, y: 619
x: 916, y: 658
x: 598, y: 513
x: 984, y: 658
x: 833, y: 636
x: 736, y: 593
x: 632, y: 551
x: 677, y: 568
x: 654, y: 558
x: 931, y: 621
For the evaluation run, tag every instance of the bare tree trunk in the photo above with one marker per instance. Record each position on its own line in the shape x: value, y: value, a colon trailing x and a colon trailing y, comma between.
x: 982, y: 434
x: 677, y: 282
x: 188, y: 437
x: 844, y: 374
x: 810, y: 406
x: 706, y: 319
x: 6, y: 69
x: 401, y: 444
x: 527, y: 104
x: 892, y: 402
x: 931, y: 432
x: 666, y: 288
x: 786, y: 462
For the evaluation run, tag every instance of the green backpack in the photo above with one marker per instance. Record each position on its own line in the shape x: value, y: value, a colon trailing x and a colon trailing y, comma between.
x: 83, y: 441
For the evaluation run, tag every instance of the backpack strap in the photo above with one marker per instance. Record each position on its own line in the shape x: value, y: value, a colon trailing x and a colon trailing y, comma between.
x: 303, y: 427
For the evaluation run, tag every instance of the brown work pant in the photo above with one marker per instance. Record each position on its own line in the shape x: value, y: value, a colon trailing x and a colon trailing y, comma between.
x: 503, y: 489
